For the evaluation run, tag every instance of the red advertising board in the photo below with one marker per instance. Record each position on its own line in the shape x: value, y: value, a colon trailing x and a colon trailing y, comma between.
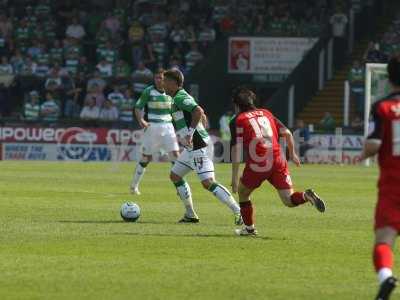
x: 71, y: 135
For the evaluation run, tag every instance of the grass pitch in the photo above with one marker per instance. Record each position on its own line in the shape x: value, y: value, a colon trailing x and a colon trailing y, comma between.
x: 61, y: 237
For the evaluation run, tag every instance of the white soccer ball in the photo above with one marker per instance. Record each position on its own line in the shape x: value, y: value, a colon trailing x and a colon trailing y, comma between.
x: 130, y: 212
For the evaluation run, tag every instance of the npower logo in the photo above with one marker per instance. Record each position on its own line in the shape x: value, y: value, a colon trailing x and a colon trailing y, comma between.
x: 30, y: 134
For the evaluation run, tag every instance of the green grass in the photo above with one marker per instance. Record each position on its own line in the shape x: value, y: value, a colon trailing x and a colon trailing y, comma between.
x: 61, y: 237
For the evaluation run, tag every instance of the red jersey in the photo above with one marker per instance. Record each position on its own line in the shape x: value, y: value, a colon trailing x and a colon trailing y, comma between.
x: 385, y: 115
x: 258, y: 131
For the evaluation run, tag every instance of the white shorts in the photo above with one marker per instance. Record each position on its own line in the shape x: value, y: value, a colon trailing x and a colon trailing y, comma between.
x: 159, y: 136
x: 196, y: 160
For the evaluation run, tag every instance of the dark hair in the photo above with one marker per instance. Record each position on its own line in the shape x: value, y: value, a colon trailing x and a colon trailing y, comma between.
x: 244, y: 98
x: 175, y: 75
x: 159, y: 71
x: 393, y: 69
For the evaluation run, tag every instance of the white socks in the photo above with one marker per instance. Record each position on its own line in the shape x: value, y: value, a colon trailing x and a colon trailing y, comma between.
x: 139, y: 172
x: 384, y: 274
x: 225, y: 197
x: 185, y: 194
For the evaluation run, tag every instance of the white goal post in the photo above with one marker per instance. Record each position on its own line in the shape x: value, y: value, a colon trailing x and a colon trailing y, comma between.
x: 376, y: 87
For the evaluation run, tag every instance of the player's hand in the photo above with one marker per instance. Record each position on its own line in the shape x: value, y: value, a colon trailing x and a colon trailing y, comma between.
x: 189, y: 140
x: 294, y: 158
x: 144, y: 124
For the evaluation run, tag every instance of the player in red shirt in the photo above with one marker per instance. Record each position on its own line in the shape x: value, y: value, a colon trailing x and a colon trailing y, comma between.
x: 384, y: 140
x: 255, y: 136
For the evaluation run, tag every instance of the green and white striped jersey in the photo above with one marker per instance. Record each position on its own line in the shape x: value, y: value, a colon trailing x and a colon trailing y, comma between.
x: 31, y: 111
x: 182, y: 107
x: 125, y: 110
x: 157, y: 105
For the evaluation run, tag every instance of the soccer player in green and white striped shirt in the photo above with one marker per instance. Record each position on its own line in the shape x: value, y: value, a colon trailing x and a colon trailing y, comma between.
x: 189, y: 120
x: 156, y: 121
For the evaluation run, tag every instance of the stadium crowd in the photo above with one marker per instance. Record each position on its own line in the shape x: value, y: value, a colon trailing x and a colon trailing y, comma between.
x: 92, y: 59
x: 377, y: 52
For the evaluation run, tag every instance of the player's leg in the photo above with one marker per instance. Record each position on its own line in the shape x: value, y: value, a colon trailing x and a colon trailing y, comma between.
x: 139, y: 173
x: 179, y: 170
x: 169, y: 142
x: 247, y: 211
x: 281, y: 180
x: 148, y: 144
x: 223, y: 195
x: 205, y: 171
x: 387, y: 227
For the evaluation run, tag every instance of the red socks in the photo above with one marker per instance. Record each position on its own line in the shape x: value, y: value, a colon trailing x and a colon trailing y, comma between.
x: 383, y: 257
x: 297, y: 198
x: 246, y: 210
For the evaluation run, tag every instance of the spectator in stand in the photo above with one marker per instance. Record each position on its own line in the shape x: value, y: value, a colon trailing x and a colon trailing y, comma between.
x: 42, y: 70
x: 206, y: 36
x: 116, y: 97
x: 5, y: 67
x: 122, y: 71
x: 177, y: 35
x: 356, y: 78
x: 373, y: 54
x: 53, y: 82
x: 36, y: 49
x: 357, y: 124
x: 75, y: 30
x: 193, y: 57
x: 113, y: 25
x: 159, y: 48
x: 136, y: 36
x: 339, y: 24
x: 6, y: 27
x: 141, y: 78
x: 108, y: 52
x: 97, y: 81
x: 22, y: 35
x: 109, y: 112
x: 90, y: 111
x: 56, y: 52
x: 49, y: 110
x: 84, y: 66
x: 105, y: 68
x: 190, y: 34
x: 95, y: 92
x: 17, y: 62
x: 72, y: 96
x: 302, y: 137
x: 159, y: 27
x: 29, y: 67
x: 327, y: 123
x: 126, y: 107
x: 32, y: 107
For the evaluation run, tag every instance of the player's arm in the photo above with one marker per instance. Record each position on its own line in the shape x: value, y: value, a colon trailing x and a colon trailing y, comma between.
x: 197, y: 115
x: 190, y: 105
x: 140, y: 104
x: 374, y: 140
x: 236, y: 156
x: 285, y: 133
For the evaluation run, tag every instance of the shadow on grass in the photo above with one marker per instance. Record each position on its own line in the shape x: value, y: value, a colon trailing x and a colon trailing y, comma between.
x: 201, y: 235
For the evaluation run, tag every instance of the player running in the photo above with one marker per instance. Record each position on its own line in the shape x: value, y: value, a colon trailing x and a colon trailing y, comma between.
x: 384, y: 140
x: 256, y: 133
x: 157, y: 124
x: 189, y: 119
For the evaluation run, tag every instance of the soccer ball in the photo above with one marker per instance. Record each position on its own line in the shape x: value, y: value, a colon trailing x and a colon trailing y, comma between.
x: 130, y: 212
